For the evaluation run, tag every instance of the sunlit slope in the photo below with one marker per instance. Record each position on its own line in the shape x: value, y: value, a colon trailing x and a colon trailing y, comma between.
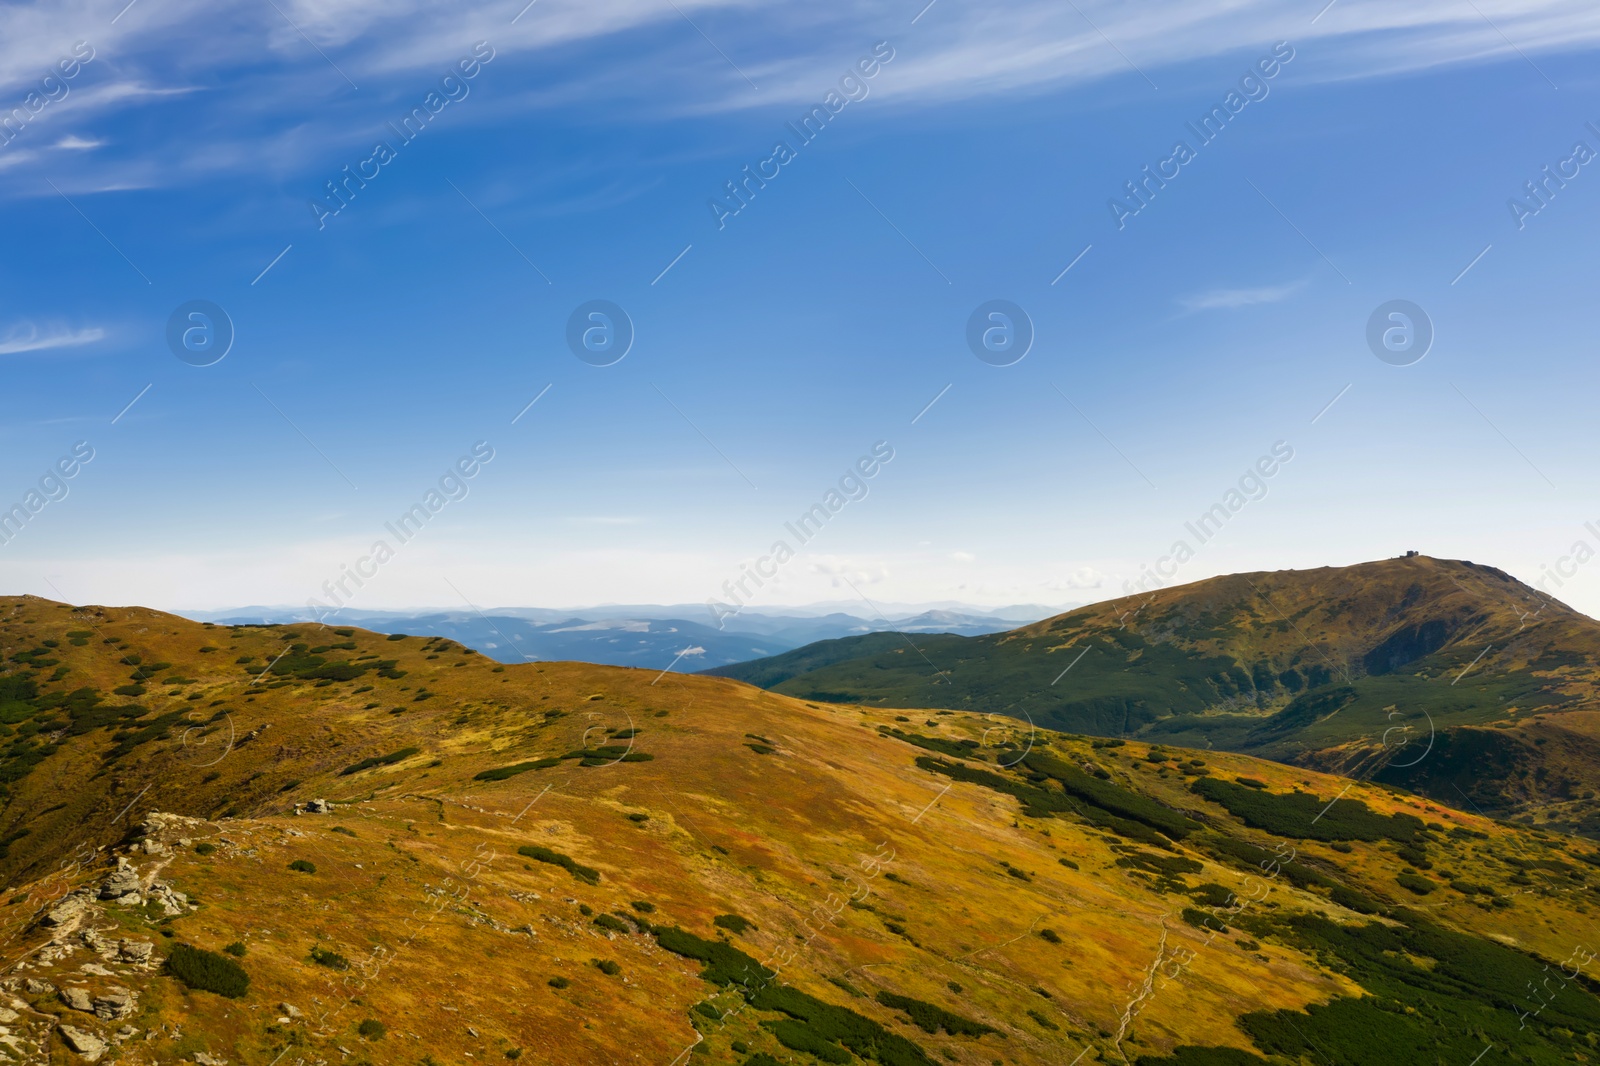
x: 592, y: 865
x: 1449, y: 677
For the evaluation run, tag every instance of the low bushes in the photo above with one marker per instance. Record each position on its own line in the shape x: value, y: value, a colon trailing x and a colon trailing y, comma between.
x: 331, y: 959
x: 733, y: 923
x: 500, y: 773
x: 930, y: 1019
x: 379, y: 760
x: 583, y: 873
x: 207, y: 971
x: 1304, y: 816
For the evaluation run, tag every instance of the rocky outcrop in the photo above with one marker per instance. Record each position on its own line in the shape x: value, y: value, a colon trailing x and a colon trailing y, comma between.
x: 122, y: 884
x: 78, y: 999
x: 85, y: 1043
x: 113, y: 1004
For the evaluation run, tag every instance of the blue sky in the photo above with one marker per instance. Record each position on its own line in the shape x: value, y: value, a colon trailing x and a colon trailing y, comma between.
x: 772, y: 352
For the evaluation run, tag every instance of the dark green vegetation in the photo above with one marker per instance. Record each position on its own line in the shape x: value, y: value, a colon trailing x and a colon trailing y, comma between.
x: 1064, y: 789
x: 1357, y: 668
x: 587, y: 874
x: 305, y: 663
x: 961, y: 749
x: 930, y: 1019
x: 1307, y: 817
x: 500, y: 773
x: 207, y: 971
x: 733, y: 923
x: 379, y: 760
x: 813, y: 1026
x: 1433, y: 996
x: 29, y: 715
x: 331, y: 959
x: 371, y: 1029
x: 304, y: 866
x: 606, y: 755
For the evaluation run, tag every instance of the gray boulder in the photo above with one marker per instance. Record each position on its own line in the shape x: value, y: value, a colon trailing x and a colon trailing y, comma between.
x: 85, y: 1043
x: 77, y: 999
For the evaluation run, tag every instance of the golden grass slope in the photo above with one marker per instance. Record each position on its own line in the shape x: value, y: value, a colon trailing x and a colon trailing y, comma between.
x: 851, y: 863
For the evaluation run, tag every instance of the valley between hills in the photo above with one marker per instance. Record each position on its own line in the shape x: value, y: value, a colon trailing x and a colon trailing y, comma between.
x: 297, y: 844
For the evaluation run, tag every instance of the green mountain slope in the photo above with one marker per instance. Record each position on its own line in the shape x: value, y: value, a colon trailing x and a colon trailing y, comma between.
x: 1448, y: 677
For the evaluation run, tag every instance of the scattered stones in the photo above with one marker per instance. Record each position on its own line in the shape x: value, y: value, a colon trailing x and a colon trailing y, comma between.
x: 7, y: 1015
x: 209, y: 1060
x: 290, y: 1009
x: 172, y: 901
x: 138, y: 952
x: 37, y: 987
x: 319, y: 806
x: 94, y: 969
x: 85, y: 1043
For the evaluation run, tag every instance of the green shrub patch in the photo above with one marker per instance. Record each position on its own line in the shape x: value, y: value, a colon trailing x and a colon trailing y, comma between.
x: 1041, y: 803
x: 207, y: 971
x: 1304, y: 816
x: 961, y: 749
x: 799, y: 1036
x: 733, y: 923
x: 379, y: 760
x: 930, y: 1019
x: 616, y: 925
x: 500, y: 773
x: 331, y: 959
x: 555, y: 858
x: 725, y: 966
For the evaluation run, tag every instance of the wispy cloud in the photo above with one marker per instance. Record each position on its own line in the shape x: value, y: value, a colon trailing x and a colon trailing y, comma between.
x: 72, y: 142
x: 292, y: 109
x: 1233, y: 299
x: 30, y: 338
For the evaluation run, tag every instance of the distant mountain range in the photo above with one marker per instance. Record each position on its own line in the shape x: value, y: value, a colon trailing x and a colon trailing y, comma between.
x: 649, y: 636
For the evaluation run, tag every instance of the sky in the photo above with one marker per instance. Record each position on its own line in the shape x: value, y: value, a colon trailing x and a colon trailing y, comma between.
x: 1173, y: 323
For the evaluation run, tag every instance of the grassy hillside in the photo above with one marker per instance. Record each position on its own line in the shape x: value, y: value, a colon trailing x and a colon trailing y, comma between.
x: 573, y: 864
x: 1450, y: 678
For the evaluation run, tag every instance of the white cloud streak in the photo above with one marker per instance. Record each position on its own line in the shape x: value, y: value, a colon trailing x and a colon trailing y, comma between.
x: 1234, y: 299
x: 262, y: 91
x: 29, y: 338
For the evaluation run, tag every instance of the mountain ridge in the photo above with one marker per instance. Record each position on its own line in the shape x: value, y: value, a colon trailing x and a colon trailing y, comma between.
x: 1415, y: 655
